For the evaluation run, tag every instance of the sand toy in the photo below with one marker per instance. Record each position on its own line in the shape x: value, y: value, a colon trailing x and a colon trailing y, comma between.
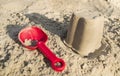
x: 34, y: 38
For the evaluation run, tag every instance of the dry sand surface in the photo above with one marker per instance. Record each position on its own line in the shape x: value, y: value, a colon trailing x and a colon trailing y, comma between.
x: 53, y: 17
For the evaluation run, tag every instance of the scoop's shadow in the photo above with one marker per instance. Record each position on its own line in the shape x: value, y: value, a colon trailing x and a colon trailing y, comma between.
x: 13, y: 30
x: 51, y: 25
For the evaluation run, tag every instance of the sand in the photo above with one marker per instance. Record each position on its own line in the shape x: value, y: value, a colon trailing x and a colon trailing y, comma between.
x: 53, y: 17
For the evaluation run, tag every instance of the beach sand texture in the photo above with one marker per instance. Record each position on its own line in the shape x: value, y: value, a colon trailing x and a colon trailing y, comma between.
x: 53, y: 17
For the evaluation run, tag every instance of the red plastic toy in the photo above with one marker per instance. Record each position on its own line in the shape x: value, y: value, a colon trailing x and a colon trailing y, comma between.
x: 34, y: 33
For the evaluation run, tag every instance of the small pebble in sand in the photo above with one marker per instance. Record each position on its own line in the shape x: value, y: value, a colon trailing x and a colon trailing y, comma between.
x: 58, y: 64
x: 84, y: 65
x: 102, y: 57
x: 29, y: 42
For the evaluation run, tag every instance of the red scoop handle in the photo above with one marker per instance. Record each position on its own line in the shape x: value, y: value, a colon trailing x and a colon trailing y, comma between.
x: 52, y: 57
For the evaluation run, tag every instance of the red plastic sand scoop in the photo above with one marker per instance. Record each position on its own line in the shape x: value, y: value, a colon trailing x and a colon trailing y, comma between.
x: 34, y: 38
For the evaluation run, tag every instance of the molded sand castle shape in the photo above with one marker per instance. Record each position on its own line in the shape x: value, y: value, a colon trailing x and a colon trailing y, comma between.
x: 85, y: 33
